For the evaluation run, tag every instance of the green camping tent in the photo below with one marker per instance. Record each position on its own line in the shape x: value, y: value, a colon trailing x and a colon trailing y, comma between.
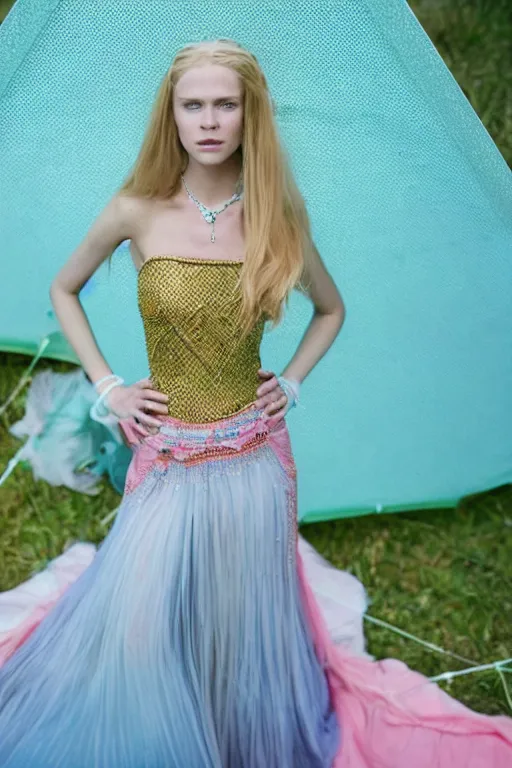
x: 410, y: 201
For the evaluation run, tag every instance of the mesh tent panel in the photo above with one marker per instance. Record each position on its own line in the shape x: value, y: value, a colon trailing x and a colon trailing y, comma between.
x: 410, y: 202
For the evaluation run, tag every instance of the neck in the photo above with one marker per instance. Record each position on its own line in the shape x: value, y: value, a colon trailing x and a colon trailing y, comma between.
x: 213, y: 185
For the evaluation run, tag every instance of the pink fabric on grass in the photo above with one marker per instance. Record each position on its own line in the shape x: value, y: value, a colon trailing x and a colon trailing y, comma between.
x: 392, y: 717
x: 25, y: 606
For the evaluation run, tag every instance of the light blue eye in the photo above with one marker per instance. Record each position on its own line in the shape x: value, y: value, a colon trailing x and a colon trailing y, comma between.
x: 193, y: 105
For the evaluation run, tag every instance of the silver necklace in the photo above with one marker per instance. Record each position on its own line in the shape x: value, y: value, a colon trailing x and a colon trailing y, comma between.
x: 209, y: 214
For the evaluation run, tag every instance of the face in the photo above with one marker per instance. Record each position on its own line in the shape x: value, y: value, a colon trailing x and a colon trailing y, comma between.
x: 208, y: 110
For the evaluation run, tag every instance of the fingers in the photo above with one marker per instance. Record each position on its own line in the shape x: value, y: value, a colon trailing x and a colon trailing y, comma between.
x: 148, y: 390
x: 272, y: 402
x: 146, y: 383
x: 272, y: 421
x: 271, y: 397
x: 147, y: 405
x: 140, y: 430
x: 152, y: 399
x: 145, y: 418
x: 270, y: 382
x: 153, y: 394
x: 267, y: 386
x: 276, y: 405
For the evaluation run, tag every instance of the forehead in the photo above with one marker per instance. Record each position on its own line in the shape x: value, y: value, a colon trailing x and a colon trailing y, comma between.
x: 210, y: 81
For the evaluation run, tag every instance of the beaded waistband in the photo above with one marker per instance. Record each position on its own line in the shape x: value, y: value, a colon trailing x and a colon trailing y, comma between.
x: 230, y: 427
x: 183, y: 440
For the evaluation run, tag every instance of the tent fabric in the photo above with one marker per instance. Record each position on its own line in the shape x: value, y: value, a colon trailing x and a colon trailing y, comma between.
x: 410, y: 202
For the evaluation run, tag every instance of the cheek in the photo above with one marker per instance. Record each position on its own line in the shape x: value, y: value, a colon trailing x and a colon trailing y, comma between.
x: 235, y: 127
x: 185, y: 129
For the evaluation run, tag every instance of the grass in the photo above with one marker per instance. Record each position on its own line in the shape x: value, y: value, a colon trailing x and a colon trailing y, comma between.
x: 474, y: 39
x: 445, y: 575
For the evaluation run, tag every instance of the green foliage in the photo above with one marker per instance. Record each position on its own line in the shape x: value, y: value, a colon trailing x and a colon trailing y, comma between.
x: 474, y: 38
x: 5, y: 7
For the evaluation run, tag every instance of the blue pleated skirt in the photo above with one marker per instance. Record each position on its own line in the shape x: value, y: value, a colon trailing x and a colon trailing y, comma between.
x: 185, y: 644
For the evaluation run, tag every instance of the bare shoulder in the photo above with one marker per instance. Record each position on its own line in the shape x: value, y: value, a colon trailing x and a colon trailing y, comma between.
x: 138, y: 213
x: 123, y: 218
x: 117, y: 221
x: 126, y: 213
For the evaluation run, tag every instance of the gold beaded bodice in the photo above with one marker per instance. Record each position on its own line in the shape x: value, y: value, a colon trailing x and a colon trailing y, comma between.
x: 189, y: 308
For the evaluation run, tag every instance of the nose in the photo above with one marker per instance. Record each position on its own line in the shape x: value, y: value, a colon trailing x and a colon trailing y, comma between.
x: 210, y: 120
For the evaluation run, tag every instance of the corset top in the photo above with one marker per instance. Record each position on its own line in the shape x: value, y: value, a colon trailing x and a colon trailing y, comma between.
x: 196, y: 354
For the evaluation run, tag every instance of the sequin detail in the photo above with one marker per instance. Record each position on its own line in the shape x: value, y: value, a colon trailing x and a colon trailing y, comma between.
x: 189, y: 308
x: 192, y: 451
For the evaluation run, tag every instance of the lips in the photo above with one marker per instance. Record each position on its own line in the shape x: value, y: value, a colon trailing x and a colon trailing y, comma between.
x: 209, y: 143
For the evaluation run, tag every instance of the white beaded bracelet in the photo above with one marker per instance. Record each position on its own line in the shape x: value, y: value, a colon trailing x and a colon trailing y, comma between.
x: 291, y: 388
x: 108, y: 377
x: 95, y: 408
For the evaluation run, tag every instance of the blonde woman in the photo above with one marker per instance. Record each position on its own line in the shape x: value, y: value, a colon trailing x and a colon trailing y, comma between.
x: 193, y: 640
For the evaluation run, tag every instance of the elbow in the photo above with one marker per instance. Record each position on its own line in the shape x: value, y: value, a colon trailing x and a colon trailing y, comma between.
x: 54, y: 290
x: 340, y: 315
x: 343, y: 311
x: 333, y: 316
x: 339, y: 312
x: 337, y: 309
x: 337, y: 315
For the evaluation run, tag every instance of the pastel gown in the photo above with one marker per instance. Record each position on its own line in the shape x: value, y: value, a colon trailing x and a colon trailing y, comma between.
x: 193, y: 639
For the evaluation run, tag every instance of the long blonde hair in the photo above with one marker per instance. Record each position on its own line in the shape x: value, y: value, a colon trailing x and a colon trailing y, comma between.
x: 276, y: 225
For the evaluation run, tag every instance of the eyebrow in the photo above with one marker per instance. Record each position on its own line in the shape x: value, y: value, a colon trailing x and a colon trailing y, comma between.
x: 195, y: 98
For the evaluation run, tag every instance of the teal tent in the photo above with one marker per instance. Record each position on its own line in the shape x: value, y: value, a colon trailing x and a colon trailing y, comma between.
x: 410, y: 200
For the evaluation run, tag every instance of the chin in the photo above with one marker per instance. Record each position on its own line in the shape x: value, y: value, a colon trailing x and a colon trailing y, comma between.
x: 212, y: 158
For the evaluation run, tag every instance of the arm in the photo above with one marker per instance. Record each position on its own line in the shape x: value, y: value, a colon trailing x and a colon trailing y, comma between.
x: 328, y: 318
x: 109, y: 229
x: 113, y: 225
x: 327, y: 321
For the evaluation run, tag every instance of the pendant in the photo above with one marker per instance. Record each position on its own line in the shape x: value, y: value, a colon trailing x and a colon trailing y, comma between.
x: 208, y: 215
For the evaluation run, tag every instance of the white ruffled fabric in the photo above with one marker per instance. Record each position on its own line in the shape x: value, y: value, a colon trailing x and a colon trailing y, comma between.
x: 64, y: 445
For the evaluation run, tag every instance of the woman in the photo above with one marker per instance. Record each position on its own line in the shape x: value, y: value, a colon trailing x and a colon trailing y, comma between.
x: 193, y: 639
